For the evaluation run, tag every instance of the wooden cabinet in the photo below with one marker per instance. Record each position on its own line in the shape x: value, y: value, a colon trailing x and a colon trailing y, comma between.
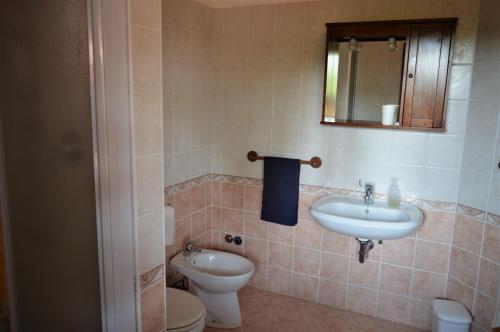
x: 424, y: 70
x: 423, y: 100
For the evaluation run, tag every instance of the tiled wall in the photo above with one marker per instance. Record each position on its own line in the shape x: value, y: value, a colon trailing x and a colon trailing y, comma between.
x: 474, y: 269
x: 480, y: 178
x: 191, y: 87
x: 453, y: 254
x: 145, y: 54
x: 261, y: 90
x: 271, y: 63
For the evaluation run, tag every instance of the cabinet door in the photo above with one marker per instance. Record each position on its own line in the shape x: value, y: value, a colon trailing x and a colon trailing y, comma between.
x: 427, y: 71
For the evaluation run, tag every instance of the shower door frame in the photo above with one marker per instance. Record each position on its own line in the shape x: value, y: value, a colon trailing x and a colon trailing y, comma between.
x: 113, y: 162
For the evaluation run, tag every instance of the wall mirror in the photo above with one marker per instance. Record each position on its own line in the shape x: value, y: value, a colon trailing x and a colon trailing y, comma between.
x: 387, y: 74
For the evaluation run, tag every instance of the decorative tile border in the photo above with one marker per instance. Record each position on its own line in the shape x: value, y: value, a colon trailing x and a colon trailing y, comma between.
x: 323, y: 190
x: 255, y: 182
x: 185, y: 185
x: 493, y: 219
x: 471, y: 212
x: 150, y: 277
x: 318, y: 190
x: 169, y: 190
x: 438, y: 205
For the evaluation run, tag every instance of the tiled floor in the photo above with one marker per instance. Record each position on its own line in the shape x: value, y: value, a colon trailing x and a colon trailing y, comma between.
x: 263, y: 311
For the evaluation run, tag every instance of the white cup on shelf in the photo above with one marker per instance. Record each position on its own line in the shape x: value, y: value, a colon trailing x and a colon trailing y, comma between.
x: 389, y: 114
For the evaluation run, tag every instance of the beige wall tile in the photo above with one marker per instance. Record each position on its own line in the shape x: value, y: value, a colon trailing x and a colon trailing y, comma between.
x: 290, y: 19
x: 365, y: 274
x: 232, y: 221
x: 460, y: 292
x: 428, y: 286
x: 332, y: 293
x: 182, y: 204
x: 421, y: 8
x: 281, y: 233
x: 150, y: 236
x: 305, y: 287
x: 361, y: 300
x: 335, y: 242
x: 464, y: 266
x: 392, y: 307
x: 148, y: 122
x: 334, y: 267
x: 306, y: 261
x: 489, y: 277
x: 146, y: 59
x: 279, y: 281
x: 491, y: 244
x: 233, y: 195
x: 385, y: 9
x: 197, y: 197
x: 484, y: 310
x: 259, y: 278
x: 255, y: 250
x: 399, y: 252
x: 468, y: 233
x: 199, y: 224
x: 467, y: 11
x: 262, y: 20
x: 146, y: 13
x: 432, y: 256
x: 254, y: 226
x: 351, y: 10
x: 308, y: 234
x: 421, y: 314
x: 280, y: 255
x: 253, y: 198
x: 149, y: 181
x: 437, y: 226
x: 395, y: 280
x: 182, y: 232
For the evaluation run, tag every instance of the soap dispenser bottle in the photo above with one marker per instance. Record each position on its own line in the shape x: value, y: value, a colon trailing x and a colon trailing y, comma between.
x: 394, y: 194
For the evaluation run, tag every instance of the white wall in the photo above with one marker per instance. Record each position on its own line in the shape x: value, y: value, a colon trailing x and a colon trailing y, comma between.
x: 480, y: 177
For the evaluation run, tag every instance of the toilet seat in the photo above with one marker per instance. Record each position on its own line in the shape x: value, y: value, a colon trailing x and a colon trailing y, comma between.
x: 185, y: 312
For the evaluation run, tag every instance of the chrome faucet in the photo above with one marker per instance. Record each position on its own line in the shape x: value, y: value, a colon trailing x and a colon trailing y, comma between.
x: 189, y: 249
x: 369, y: 191
x: 369, y: 188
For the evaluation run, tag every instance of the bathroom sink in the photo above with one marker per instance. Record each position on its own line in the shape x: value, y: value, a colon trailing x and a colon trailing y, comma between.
x: 351, y: 216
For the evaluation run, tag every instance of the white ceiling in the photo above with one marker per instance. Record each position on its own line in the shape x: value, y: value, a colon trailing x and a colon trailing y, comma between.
x: 242, y: 3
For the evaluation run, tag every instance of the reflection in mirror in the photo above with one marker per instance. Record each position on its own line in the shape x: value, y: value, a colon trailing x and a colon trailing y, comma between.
x: 362, y: 76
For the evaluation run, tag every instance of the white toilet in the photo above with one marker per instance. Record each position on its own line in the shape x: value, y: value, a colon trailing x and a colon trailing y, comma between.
x: 185, y: 312
x: 450, y: 316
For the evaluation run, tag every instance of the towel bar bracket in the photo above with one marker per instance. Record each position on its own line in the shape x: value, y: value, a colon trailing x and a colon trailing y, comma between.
x: 315, y: 162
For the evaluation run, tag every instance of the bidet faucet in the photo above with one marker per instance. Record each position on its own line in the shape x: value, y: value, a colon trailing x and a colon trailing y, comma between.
x: 189, y: 249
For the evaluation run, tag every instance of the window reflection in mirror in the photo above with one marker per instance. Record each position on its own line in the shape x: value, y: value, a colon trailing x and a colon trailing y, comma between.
x: 361, y: 77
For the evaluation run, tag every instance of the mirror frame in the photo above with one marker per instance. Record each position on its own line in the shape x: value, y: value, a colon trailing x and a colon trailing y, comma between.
x: 368, y: 31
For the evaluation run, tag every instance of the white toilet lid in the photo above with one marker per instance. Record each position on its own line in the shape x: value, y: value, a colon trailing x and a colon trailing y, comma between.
x: 451, y: 311
x: 183, y: 308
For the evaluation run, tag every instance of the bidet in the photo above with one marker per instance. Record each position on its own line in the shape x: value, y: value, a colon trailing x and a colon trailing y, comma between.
x: 215, y: 277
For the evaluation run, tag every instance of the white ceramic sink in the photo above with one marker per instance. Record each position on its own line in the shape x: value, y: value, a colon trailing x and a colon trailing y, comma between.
x: 351, y: 216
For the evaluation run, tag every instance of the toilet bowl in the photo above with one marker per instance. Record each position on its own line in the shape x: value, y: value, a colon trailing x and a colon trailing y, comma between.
x: 215, y: 277
x: 185, y: 313
x: 450, y: 316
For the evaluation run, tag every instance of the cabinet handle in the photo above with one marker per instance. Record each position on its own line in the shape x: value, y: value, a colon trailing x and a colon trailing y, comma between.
x: 410, y: 76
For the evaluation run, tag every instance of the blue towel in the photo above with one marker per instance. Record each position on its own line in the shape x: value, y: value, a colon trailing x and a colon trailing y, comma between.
x: 280, y: 197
